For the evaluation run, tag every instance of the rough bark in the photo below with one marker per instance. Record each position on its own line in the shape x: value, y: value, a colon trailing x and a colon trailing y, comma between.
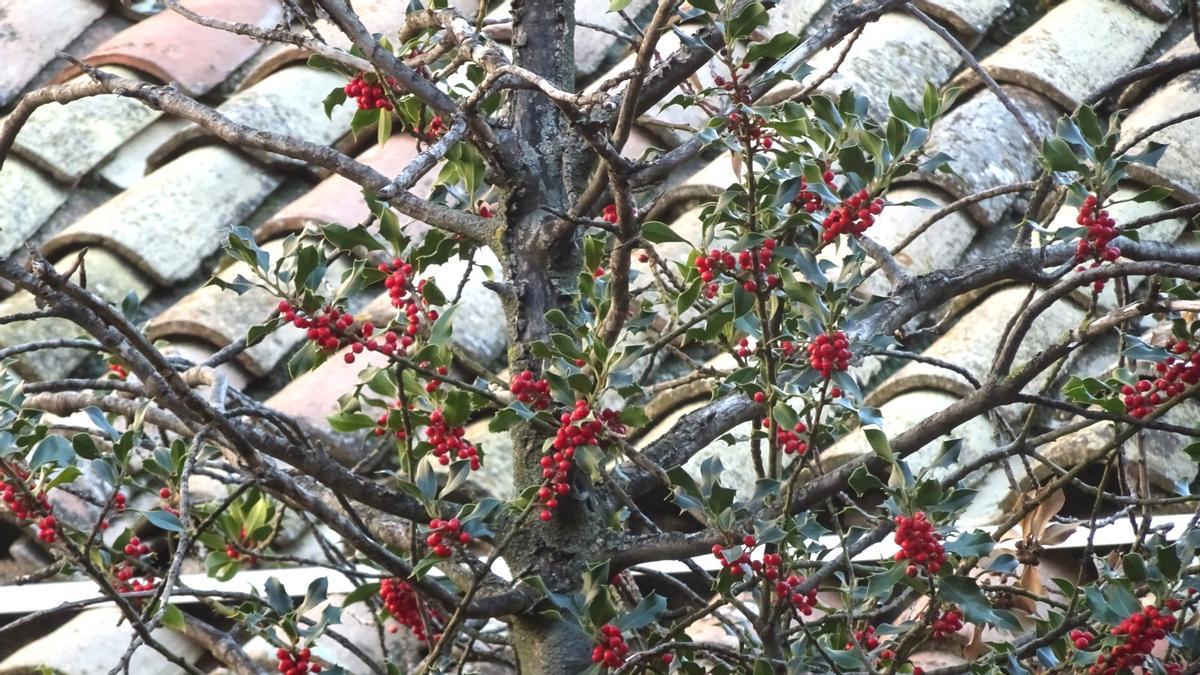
x: 542, y: 258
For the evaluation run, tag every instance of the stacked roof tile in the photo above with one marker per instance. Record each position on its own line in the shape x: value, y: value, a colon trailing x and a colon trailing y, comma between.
x: 175, y: 192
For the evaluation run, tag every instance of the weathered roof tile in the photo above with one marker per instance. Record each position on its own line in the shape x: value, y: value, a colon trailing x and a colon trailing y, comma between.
x: 288, y: 102
x: 129, y: 163
x: 195, y: 57
x: 972, y: 341
x: 1050, y: 57
x: 1177, y: 167
x: 108, y: 276
x: 29, y: 198
x: 69, y: 140
x: 968, y: 17
x: 988, y: 147
x: 31, y: 34
x: 942, y: 244
x: 895, y: 55
x: 173, y: 217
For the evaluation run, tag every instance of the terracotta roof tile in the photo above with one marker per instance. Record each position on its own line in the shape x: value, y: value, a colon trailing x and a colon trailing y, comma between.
x: 338, y: 200
x: 195, y: 57
x: 30, y: 36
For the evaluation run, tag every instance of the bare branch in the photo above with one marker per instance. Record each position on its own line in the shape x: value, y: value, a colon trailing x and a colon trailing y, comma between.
x: 982, y: 72
x: 272, y: 35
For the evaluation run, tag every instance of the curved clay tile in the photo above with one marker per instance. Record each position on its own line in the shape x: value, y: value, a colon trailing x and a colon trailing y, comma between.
x: 939, y: 246
x: 1186, y: 46
x: 1050, y: 58
x: 339, y: 200
x: 967, y: 17
x: 29, y: 198
x: 988, y: 148
x: 128, y: 164
x: 288, y: 102
x: 1177, y: 168
x: 971, y: 344
x: 174, y: 49
x: 895, y: 55
x: 217, y: 317
x: 33, y: 34
x: 383, y: 17
x: 904, y: 412
x: 166, y: 223
x: 108, y: 276
x: 70, y: 140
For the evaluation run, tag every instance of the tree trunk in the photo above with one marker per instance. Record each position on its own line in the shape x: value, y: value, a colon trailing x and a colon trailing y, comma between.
x: 541, y: 258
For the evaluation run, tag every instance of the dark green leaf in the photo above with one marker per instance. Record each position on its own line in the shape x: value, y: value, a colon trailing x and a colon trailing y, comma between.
x: 277, y: 596
x: 164, y: 520
x: 658, y: 233
x: 52, y: 449
x: 1058, y: 156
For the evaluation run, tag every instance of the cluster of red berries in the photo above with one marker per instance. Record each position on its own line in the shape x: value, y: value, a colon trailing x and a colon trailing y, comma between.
x: 400, y: 600
x: 751, y: 129
x: 829, y: 352
x: 127, y: 580
x: 1101, y: 230
x: 919, y: 544
x: 296, y: 662
x: 789, y: 439
x: 1082, y: 639
x: 801, y: 602
x: 611, y: 648
x: 448, y: 442
x: 865, y: 638
x: 609, y: 214
x: 575, y: 430
x: 949, y: 623
x: 25, y: 506
x: 534, y: 393
x: 245, y: 542
x: 808, y: 200
x: 404, y: 294
x: 118, y: 371
x: 381, y: 423
x: 1140, y: 631
x: 853, y: 216
x: 136, y: 548
x: 443, y: 531
x: 330, y: 329
x: 366, y: 89
x: 736, y: 565
x: 435, y: 128
x: 744, y: 268
x: 1175, y: 374
x: 119, y: 500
